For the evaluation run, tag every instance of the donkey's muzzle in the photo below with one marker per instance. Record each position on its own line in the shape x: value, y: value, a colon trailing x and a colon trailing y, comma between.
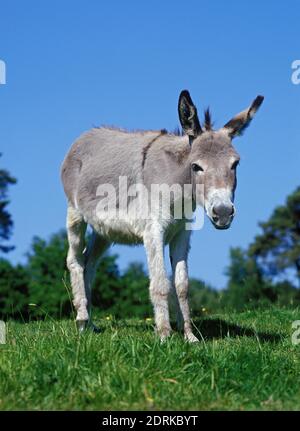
x: 222, y: 215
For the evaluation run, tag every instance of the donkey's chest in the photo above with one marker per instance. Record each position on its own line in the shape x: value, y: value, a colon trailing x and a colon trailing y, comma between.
x: 131, y: 232
x: 121, y: 231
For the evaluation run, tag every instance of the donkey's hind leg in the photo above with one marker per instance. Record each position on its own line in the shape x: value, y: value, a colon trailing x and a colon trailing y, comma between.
x: 76, y: 228
x: 96, y: 247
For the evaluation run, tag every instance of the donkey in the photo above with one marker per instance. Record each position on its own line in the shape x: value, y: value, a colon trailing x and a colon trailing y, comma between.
x: 200, y: 156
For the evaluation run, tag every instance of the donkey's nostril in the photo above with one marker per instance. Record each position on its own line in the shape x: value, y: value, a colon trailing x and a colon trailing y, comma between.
x: 232, y: 211
x: 215, y: 216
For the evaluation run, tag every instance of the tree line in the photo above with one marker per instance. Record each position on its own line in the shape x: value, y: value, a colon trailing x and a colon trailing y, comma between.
x: 266, y: 273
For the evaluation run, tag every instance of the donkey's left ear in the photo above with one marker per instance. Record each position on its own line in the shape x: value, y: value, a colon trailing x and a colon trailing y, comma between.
x: 241, y: 121
x: 188, y: 116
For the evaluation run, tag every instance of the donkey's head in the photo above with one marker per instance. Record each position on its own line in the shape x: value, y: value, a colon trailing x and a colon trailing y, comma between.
x: 213, y: 159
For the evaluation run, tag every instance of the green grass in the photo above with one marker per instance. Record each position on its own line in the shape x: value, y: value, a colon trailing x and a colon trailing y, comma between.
x: 245, y: 361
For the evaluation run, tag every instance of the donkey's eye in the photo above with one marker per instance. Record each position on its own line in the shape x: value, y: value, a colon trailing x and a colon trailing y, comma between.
x: 196, y: 168
x: 235, y: 164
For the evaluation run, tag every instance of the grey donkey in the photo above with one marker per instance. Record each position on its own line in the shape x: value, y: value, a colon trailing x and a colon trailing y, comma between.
x: 200, y: 156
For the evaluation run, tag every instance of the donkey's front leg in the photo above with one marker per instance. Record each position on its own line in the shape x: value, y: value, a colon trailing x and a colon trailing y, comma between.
x: 179, y: 248
x: 159, y: 282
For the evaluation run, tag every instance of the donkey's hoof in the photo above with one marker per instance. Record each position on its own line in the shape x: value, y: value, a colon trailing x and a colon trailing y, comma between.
x: 85, y: 326
x: 190, y: 338
x: 81, y: 326
x: 164, y: 334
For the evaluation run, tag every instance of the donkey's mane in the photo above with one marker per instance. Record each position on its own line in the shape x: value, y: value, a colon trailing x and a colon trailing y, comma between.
x: 207, y: 120
x: 128, y: 131
x: 177, y: 131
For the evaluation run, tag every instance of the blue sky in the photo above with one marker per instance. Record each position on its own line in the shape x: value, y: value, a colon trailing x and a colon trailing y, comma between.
x: 75, y: 64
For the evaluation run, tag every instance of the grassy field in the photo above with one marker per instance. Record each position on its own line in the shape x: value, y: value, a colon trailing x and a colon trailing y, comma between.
x: 245, y: 361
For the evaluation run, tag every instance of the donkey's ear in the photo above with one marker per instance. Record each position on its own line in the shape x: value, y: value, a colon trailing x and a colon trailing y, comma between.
x: 188, y: 115
x: 241, y: 121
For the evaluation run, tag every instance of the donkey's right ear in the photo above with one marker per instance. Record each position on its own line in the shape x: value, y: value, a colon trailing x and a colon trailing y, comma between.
x: 241, y: 121
x: 188, y: 115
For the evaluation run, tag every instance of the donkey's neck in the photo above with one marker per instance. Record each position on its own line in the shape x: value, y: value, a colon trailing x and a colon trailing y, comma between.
x: 177, y: 152
x: 167, y: 161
